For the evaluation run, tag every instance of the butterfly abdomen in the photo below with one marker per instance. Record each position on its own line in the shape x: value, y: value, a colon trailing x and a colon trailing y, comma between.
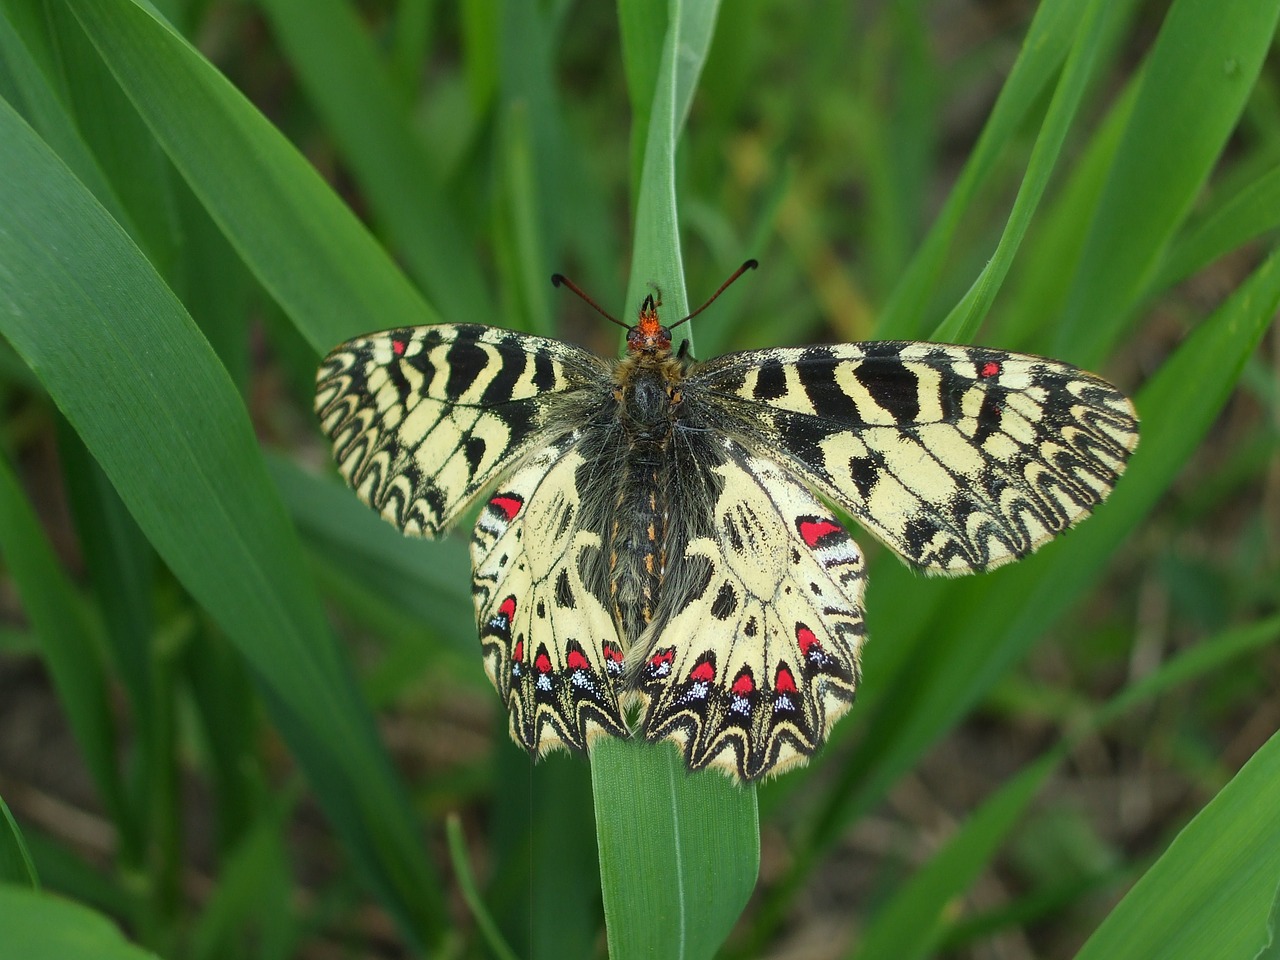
x: 647, y: 405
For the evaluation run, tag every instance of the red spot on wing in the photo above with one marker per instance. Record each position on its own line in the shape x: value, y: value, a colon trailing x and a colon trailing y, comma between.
x: 614, y: 653
x: 664, y: 656
x: 507, y: 504
x: 542, y: 664
x: 703, y: 672
x: 811, y: 531
x: 518, y: 653
x: 785, y: 682
x: 989, y: 369
x: 743, y: 685
x: 507, y: 608
x: 807, y: 640
x: 577, y: 661
x: 398, y: 347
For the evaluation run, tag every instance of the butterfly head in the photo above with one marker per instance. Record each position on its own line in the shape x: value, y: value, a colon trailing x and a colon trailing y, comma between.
x: 648, y: 337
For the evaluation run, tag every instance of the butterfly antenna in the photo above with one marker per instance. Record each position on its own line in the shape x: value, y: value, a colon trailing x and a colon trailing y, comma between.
x: 559, y: 279
x: 749, y: 265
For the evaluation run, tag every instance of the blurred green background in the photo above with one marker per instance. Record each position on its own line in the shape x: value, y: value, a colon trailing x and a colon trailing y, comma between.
x: 241, y: 717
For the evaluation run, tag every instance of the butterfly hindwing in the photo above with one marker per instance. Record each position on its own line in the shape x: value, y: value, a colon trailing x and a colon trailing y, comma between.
x: 550, y: 648
x: 958, y: 458
x: 751, y: 671
x: 423, y: 419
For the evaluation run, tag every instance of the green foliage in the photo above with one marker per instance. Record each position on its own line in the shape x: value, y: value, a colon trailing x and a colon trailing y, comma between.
x: 173, y: 262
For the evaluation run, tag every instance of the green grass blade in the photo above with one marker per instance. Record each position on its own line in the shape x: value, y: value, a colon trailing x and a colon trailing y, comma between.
x: 60, y: 621
x: 39, y: 926
x: 414, y: 24
x: 656, y: 258
x: 15, y: 860
x: 1212, y: 893
x: 533, y: 157
x: 354, y: 93
x: 915, y: 920
x: 516, y: 233
x: 40, y: 105
x: 470, y: 892
x: 1194, y: 87
x: 1046, y: 261
x: 305, y: 247
x: 220, y: 686
x: 545, y: 886
x: 120, y: 566
x: 1253, y: 210
x: 679, y: 852
x: 427, y: 582
x: 642, y: 25
x: 1043, y: 51
x: 146, y: 394
x: 964, y: 319
x: 251, y: 901
x: 1206, y: 656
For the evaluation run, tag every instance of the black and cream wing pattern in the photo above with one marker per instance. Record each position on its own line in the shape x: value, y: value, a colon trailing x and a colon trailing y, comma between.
x: 657, y: 552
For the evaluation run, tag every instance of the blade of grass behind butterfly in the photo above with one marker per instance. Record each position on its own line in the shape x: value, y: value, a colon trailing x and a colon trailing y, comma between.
x: 642, y: 25
x: 352, y: 90
x: 1044, y: 49
x: 253, y: 891
x: 146, y: 394
x: 414, y: 596
x: 1214, y: 891
x: 545, y: 885
x: 69, y: 649
x: 1194, y: 87
x: 531, y: 167
x: 302, y: 243
x: 962, y: 322
x: 26, y: 59
x: 1253, y: 209
x: 1053, y: 273
x: 679, y: 852
x: 15, y: 860
x: 432, y: 585
x: 122, y: 569
x: 991, y: 621
x: 1043, y: 276
x: 41, y: 926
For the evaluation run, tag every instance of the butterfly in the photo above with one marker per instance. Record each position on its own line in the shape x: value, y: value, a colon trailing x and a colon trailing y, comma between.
x: 659, y: 551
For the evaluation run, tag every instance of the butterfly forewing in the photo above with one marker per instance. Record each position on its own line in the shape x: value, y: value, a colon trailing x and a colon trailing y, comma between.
x: 423, y: 419
x: 958, y: 458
